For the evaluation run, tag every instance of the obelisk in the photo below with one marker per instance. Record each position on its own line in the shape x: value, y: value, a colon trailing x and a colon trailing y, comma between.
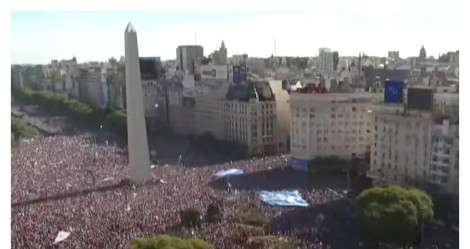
x: 139, y: 161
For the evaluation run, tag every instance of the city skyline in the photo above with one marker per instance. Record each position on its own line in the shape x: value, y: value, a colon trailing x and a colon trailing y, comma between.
x: 97, y: 36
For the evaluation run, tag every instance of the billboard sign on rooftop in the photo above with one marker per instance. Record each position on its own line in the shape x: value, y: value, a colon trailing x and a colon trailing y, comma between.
x: 420, y: 99
x: 393, y: 92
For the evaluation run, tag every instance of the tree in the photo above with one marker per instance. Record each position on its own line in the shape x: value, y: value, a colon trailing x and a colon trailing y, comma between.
x: 393, y: 214
x: 169, y: 242
x: 190, y: 218
x: 214, y: 212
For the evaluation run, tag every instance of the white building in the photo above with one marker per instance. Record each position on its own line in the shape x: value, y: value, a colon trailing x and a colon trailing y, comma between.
x: 444, y: 170
x: 411, y: 148
x: 401, y: 148
x: 325, y: 61
x: 331, y: 124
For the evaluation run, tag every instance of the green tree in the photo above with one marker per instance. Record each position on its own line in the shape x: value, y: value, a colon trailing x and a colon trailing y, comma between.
x: 393, y: 214
x: 214, y: 212
x: 169, y: 242
x: 190, y: 218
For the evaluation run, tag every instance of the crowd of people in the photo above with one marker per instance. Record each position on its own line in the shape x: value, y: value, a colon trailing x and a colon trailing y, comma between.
x: 45, y: 167
x: 50, y: 166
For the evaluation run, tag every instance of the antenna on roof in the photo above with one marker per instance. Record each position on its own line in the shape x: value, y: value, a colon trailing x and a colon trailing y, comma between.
x: 275, y: 47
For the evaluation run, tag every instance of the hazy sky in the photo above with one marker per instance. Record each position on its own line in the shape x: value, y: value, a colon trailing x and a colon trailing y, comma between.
x: 39, y: 37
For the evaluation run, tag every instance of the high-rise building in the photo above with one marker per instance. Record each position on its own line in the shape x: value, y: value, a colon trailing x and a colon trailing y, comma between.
x: 325, y: 61
x: 139, y: 161
x: 187, y: 56
x: 335, y: 60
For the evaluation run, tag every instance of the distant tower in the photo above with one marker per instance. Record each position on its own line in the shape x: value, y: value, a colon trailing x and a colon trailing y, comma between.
x: 139, y: 161
x: 422, y: 53
x: 223, y: 54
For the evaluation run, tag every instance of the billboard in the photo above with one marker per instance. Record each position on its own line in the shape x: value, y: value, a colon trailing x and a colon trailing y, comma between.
x: 420, y: 99
x: 104, y: 91
x: 393, y: 91
x: 214, y: 72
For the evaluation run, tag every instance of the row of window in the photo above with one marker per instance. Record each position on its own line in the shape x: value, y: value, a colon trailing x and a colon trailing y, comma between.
x: 331, y: 147
x: 334, y: 108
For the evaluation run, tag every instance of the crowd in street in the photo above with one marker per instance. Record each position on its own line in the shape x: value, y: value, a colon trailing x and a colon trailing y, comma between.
x: 47, y: 167
x: 44, y: 167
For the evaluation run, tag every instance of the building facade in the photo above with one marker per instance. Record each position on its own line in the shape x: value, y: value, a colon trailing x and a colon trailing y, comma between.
x: 331, y: 124
x: 412, y: 148
x: 325, y: 61
x: 402, y: 141
x: 444, y: 170
x: 186, y: 56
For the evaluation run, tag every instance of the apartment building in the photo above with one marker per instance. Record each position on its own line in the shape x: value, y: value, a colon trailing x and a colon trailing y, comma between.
x: 252, y: 123
x: 242, y: 113
x: 444, y: 170
x: 325, y: 61
x: 411, y: 147
x: 330, y: 124
x: 402, y: 142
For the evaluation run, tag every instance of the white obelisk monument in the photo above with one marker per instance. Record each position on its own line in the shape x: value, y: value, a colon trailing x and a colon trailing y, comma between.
x: 139, y: 161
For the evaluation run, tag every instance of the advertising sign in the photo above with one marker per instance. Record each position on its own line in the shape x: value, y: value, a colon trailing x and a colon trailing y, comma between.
x: 420, y: 99
x: 214, y: 72
x: 393, y: 91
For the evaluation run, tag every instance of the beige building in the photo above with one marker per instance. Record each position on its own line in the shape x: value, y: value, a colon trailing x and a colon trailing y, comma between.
x: 283, y: 116
x: 252, y: 123
x: 401, y: 148
x: 331, y: 124
x: 410, y: 147
x: 228, y: 112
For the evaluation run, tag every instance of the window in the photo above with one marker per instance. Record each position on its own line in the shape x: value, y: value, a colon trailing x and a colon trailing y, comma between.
x: 354, y: 109
x: 444, y: 179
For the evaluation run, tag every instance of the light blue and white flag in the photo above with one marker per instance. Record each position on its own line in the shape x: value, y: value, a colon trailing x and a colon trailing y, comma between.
x: 283, y: 198
x: 228, y: 173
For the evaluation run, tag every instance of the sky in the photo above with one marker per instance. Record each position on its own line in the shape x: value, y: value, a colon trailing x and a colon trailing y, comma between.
x: 38, y: 37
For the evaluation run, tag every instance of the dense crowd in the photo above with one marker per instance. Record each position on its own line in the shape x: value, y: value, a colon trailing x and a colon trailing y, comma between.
x: 51, y: 166
x: 44, y: 167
